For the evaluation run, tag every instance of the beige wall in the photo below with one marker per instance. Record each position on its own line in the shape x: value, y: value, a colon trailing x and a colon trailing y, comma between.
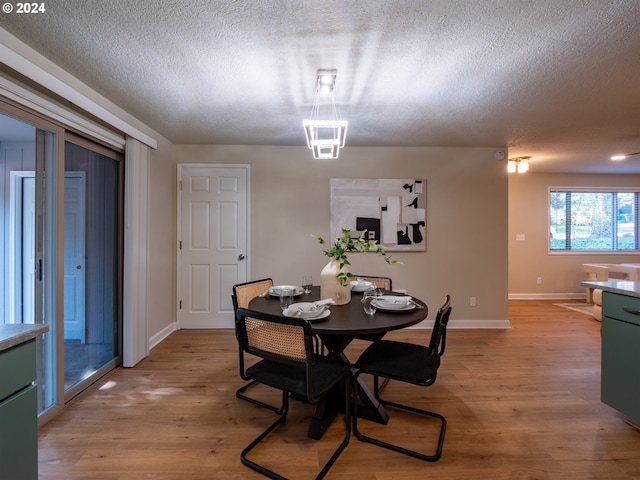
x: 528, y: 214
x: 162, y: 237
x: 466, y: 221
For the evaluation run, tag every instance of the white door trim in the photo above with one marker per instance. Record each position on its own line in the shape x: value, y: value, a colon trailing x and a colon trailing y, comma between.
x: 15, y: 280
x: 182, y: 166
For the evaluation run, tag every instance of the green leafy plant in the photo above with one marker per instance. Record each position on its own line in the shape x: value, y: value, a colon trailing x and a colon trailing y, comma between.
x: 345, y: 244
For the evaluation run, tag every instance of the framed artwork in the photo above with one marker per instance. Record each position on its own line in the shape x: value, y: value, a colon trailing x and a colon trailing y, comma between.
x: 390, y: 211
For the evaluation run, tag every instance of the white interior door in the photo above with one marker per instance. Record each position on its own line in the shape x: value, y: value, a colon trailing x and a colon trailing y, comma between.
x: 74, y: 255
x: 212, y: 242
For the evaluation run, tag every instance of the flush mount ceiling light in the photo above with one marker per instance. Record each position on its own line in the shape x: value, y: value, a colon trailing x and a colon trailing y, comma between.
x: 520, y: 165
x: 324, y: 130
x: 622, y: 157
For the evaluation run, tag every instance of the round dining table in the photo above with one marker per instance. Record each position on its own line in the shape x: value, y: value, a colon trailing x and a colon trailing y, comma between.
x: 337, y: 331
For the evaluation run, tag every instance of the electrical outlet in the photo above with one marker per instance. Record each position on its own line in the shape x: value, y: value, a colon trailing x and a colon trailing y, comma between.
x: 472, y: 301
x: 539, y: 280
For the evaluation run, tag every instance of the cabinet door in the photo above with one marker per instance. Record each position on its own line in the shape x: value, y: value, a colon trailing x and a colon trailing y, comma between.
x: 620, y: 386
x: 19, y: 436
x: 17, y: 368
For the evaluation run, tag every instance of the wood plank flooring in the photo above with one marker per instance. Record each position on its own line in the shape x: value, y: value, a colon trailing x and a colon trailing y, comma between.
x: 522, y: 403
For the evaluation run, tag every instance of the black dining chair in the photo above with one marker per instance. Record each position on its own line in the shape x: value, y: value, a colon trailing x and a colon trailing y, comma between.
x: 290, y: 363
x: 242, y: 294
x: 405, y: 362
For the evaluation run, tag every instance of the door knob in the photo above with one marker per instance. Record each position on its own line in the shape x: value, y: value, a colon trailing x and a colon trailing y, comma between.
x: 78, y: 267
x: 241, y: 256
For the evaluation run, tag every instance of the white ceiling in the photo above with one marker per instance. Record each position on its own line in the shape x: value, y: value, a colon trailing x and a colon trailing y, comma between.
x: 557, y: 80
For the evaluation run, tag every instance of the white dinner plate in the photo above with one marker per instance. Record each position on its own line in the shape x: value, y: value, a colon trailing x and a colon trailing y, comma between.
x: 393, y: 301
x: 275, y: 291
x: 325, y: 313
x: 394, y: 308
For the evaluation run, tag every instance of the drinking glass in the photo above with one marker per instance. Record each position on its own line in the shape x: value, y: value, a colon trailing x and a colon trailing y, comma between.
x: 307, y: 284
x: 286, y: 298
x: 368, y: 302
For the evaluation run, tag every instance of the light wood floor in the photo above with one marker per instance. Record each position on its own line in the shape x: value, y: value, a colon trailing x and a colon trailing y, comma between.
x: 522, y: 403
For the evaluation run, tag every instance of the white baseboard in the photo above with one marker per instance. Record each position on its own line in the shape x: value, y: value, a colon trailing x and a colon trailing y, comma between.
x: 162, y: 334
x: 547, y: 296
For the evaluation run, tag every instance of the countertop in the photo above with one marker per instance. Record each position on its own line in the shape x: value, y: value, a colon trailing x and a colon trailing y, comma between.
x: 12, y: 334
x: 623, y: 287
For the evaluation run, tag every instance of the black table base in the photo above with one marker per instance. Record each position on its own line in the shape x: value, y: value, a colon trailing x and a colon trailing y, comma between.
x: 327, y: 409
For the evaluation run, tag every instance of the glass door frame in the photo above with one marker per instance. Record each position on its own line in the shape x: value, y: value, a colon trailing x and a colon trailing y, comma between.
x: 53, y: 263
x: 118, y: 157
x: 49, y: 307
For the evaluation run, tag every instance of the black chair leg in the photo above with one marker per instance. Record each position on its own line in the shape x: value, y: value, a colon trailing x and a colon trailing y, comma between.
x: 240, y: 394
x: 347, y: 433
x: 281, y: 419
x: 412, y: 453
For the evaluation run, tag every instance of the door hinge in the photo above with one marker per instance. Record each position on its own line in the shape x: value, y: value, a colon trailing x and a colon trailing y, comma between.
x: 180, y: 245
x: 180, y: 305
x: 179, y: 184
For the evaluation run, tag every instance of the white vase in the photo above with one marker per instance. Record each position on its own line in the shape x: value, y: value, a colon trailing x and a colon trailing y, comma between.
x: 330, y: 284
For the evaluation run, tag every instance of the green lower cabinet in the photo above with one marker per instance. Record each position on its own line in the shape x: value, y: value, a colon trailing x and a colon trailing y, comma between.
x: 18, y: 413
x: 19, y: 436
x: 620, y: 384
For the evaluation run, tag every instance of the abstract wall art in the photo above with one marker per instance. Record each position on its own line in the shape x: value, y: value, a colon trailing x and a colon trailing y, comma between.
x: 391, y: 211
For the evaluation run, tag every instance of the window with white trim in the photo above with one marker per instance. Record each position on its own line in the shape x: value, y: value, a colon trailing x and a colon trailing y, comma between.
x: 593, y: 219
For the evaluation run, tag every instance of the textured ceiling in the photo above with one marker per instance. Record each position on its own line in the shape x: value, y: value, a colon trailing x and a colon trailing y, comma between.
x: 557, y: 80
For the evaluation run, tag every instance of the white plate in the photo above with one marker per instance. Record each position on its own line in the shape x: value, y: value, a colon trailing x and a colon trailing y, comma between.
x: 308, y: 310
x: 362, y: 287
x: 275, y: 291
x: 325, y: 313
x: 393, y: 301
x: 394, y: 308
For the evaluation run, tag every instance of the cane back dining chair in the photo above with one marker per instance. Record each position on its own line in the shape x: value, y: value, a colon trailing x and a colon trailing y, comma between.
x: 385, y: 283
x: 242, y: 294
x: 406, y: 362
x: 290, y: 363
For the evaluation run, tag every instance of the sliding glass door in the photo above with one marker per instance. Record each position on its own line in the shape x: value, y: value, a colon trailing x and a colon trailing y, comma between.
x: 28, y: 163
x: 92, y: 253
x: 61, y: 250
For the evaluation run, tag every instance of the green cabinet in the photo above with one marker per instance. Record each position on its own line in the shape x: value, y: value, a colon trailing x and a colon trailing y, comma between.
x: 18, y: 412
x: 620, y: 384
